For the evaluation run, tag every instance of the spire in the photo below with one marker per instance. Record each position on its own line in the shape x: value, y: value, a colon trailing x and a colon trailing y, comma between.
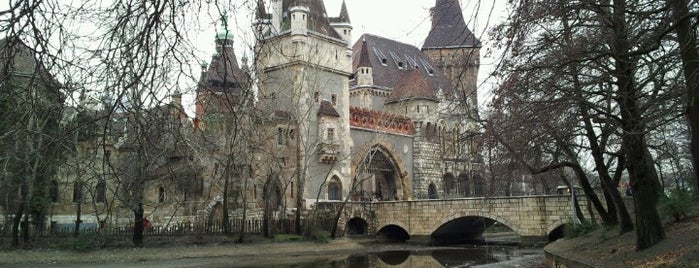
x: 448, y: 27
x: 364, y: 55
x: 224, y: 33
x: 344, y: 15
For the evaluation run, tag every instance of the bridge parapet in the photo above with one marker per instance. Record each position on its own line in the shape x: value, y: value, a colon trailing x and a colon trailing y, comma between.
x: 528, y: 216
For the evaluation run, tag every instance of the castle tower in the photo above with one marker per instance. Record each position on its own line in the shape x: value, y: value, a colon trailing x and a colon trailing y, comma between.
x: 303, y: 74
x: 455, y: 50
x: 223, y: 85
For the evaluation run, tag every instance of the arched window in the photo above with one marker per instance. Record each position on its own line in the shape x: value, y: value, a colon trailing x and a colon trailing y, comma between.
x: 100, y: 192
x: 335, y: 189
x: 77, y: 192
x: 432, y: 191
x: 449, y: 184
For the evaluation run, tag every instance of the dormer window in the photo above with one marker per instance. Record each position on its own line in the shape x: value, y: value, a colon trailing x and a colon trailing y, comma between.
x: 400, y: 65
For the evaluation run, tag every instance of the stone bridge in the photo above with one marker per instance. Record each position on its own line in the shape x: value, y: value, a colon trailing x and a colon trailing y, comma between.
x: 445, y: 221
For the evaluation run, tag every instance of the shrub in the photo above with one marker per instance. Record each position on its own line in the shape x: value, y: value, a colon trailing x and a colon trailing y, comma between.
x: 572, y: 231
x: 676, y: 204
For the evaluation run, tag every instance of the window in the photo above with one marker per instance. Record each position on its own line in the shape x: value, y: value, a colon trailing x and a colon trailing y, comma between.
x: 334, y: 99
x: 53, y: 191
x: 292, y: 189
x: 334, y: 192
x: 100, y: 192
x: 281, y: 140
x: 316, y: 96
x: 77, y: 192
x: 331, y: 135
x: 334, y: 189
x: 161, y: 195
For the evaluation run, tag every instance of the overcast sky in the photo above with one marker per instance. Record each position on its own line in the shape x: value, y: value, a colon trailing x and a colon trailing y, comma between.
x: 407, y: 21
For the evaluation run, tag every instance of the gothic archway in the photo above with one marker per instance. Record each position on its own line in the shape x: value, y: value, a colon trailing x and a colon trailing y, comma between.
x: 380, y: 175
x: 334, y: 189
x: 432, y: 191
x: 464, y: 185
x: 449, y: 184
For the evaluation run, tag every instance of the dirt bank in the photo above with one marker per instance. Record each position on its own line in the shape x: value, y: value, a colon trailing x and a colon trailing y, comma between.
x: 604, y: 248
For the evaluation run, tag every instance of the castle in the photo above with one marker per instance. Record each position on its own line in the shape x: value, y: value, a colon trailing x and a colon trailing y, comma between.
x: 311, y: 117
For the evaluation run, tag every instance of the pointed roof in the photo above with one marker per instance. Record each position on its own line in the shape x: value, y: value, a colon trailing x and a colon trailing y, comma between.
x: 223, y: 73
x: 326, y: 109
x: 344, y: 14
x: 411, y: 85
x: 448, y: 27
x: 364, y: 55
x: 317, y: 19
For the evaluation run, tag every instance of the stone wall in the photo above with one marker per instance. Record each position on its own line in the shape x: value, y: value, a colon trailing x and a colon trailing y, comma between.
x: 427, y: 167
x: 529, y: 216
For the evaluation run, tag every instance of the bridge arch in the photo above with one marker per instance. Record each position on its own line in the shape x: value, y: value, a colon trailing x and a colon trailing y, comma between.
x: 385, y: 174
x: 356, y: 226
x: 393, y: 233
x: 479, y: 214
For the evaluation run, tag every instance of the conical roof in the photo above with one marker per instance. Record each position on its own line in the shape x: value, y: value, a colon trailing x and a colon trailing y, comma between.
x: 448, y: 27
x: 364, y: 55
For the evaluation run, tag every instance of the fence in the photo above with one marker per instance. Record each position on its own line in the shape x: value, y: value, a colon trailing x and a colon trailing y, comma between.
x: 252, y: 226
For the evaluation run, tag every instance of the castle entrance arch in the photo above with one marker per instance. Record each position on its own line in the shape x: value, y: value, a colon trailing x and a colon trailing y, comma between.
x: 380, y: 176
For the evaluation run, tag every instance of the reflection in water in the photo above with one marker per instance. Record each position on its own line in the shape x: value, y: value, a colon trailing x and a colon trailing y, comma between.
x: 434, y: 257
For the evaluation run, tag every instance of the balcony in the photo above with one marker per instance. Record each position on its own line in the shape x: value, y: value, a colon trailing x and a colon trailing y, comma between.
x: 328, y: 152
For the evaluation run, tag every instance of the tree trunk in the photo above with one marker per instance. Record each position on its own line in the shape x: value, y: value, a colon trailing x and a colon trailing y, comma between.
x: 642, y: 174
x: 690, y: 62
x: 15, y: 225
x: 241, y: 234
x: 226, y: 218
x: 138, y: 226
x: 78, y: 212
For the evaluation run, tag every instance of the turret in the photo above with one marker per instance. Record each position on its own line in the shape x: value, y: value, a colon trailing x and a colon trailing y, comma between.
x: 224, y: 35
x: 299, y: 20
x: 342, y: 24
x: 364, y: 69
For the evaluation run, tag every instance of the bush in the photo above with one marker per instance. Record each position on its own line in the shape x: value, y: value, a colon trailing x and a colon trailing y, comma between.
x: 572, y: 231
x: 676, y: 204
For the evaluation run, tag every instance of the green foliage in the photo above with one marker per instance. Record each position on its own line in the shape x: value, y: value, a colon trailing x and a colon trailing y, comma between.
x: 676, y: 204
x: 572, y: 231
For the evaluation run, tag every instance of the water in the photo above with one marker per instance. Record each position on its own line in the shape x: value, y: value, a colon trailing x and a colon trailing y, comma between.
x: 377, y: 255
x: 434, y: 257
